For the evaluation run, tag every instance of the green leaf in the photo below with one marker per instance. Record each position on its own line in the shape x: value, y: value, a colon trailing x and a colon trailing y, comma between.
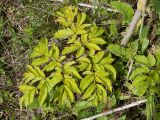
x: 61, y: 58
x: 70, y: 94
x: 125, y: 9
x: 89, y: 91
x: 94, y: 46
x: 55, y: 50
x: 72, y: 70
x: 21, y: 100
x: 25, y: 88
x: 140, y: 85
x: 40, y: 61
x: 155, y: 6
x: 141, y: 60
x: 43, y: 94
x: 139, y: 71
x: 98, y: 57
x: 63, y: 33
x: 74, y: 86
x: 83, y: 26
x: 72, y: 48
x: 144, y: 44
x: 106, y: 60
x: 83, y: 59
x: 72, y: 39
x: 86, y: 82
x: 41, y: 49
x: 87, y: 73
x: 111, y: 70
x: 68, y: 64
x: 80, y: 52
x: 104, y: 92
x: 40, y: 72
x: 119, y: 51
x: 82, y: 19
x: 50, y: 66
x: 79, y: 32
x: 113, y: 28
x: 57, y: 78
x: 151, y: 59
x: 155, y: 76
x: 98, y: 40
x: 95, y: 31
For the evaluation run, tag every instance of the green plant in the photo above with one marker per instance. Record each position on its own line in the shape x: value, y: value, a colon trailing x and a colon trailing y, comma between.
x: 55, y: 76
x: 145, y: 76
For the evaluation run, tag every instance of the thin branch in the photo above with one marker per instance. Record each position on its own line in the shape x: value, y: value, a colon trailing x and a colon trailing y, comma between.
x: 91, y: 6
x: 133, y: 24
x: 116, y: 110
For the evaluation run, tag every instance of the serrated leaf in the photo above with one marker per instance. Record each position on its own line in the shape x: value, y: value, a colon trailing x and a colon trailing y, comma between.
x: 141, y: 60
x: 80, y: 51
x: 111, y: 70
x: 72, y: 70
x: 87, y: 73
x: 139, y: 79
x: 82, y: 66
x: 140, y: 85
x: 106, y: 60
x: 95, y: 31
x: 104, y: 92
x: 91, y: 46
x: 120, y: 51
x: 72, y: 39
x: 61, y: 58
x: 72, y: 48
x: 55, y: 80
x: 84, y: 38
x: 70, y: 94
x: 31, y: 70
x: 25, y: 88
x: 55, y: 50
x: 40, y: 72
x: 125, y: 9
x: 82, y: 19
x: 31, y: 95
x: 89, y: 67
x: 43, y: 94
x: 41, y: 49
x: 86, y: 81
x: 139, y: 71
x: 89, y: 91
x: 63, y: 33
x: 91, y: 52
x: 98, y: 80
x: 50, y: 66
x: 151, y: 59
x: 79, y: 32
x: 68, y: 64
x: 83, y: 59
x: 144, y: 44
x: 83, y: 26
x: 98, y: 57
x: 40, y: 61
x: 155, y: 76
x: 74, y: 86
x: 98, y: 40
x: 113, y: 28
